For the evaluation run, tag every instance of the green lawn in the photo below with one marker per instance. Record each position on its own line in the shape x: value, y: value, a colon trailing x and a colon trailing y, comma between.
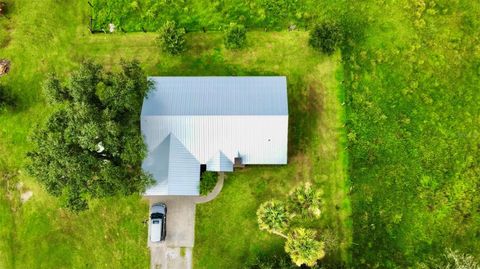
x: 46, y: 36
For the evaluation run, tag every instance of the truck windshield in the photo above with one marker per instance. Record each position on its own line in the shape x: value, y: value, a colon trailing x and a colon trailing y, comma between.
x: 156, y: 216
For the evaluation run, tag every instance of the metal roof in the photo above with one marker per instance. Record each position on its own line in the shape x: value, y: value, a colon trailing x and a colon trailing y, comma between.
x: 211, y: 120
x: 220, y: 162
x: 175, y: 170
x: 217, y: 96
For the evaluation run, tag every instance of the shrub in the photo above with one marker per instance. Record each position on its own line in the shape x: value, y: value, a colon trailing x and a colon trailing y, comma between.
x: 172, y: 38
x: 235, y: 36
x: 325, y: 37
x: 208, y: 182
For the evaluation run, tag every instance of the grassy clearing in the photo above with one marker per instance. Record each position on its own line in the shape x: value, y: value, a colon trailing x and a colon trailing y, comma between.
x: 315, y: 155
x: 46, y: 36
x: 413, y: 128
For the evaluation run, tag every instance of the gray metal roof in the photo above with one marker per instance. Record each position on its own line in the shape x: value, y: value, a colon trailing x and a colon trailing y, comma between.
x: 174, y: 168
x: 188, y: 121
x: 217, y: 96
x: 220, y: 162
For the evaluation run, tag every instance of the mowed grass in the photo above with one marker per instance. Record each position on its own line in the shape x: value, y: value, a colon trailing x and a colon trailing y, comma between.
x: 227, y: 234
x: 51, y: 36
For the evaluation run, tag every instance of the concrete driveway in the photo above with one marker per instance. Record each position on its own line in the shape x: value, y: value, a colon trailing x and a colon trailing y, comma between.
x: 176, y: 251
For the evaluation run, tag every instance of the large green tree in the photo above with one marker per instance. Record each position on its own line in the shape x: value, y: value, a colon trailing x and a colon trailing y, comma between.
x: 91, y: 146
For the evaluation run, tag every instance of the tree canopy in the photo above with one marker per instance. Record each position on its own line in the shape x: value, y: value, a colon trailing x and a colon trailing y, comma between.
x: 235, y: 36
x: 303, y: 247
x: 325, y: 37
x: 285, y: 219
x: 91, y: 146
x: 306, y: 200
x: 172, y: 38
x: 272, y: 216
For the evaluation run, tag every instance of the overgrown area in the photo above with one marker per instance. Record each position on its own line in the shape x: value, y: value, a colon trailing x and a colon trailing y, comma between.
x: 412, y: 81
x: 147, y: 15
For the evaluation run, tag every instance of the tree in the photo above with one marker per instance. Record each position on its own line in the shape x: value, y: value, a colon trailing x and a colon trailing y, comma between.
x: 303, y: 247
x: 272, y: 216
x: 91, y: 146
x: 306, y: 200
x: 172, y: 38
x: 325, y: 37
x: 235, y: 36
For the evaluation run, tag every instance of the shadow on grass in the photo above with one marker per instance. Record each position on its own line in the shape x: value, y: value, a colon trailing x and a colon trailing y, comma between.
x: 304, y: 109
x: 8, y: 99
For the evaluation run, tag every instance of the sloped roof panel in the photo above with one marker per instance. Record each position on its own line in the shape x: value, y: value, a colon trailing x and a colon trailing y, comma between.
x: 174, y: 168
x: 220, y: 162
x: 217, y: 96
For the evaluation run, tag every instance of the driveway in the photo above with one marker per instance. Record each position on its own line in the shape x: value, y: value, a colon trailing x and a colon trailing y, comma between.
x: 176, y: 251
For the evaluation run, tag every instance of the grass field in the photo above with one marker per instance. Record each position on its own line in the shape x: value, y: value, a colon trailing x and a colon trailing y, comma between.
x: 146, y: 15
x: 45, y: 36
x: 413, y: 100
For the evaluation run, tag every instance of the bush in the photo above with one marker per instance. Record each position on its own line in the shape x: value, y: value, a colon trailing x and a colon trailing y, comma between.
x: 235, y: 36
x: 208, y: 182
x: 325, y: 37
x: 172, y: 39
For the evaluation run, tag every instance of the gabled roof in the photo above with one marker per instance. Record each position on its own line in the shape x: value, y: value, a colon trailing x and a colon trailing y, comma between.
x: 217, y: 96
x: 174, y: 168
x: 220, y: 162
x: 211, y: 120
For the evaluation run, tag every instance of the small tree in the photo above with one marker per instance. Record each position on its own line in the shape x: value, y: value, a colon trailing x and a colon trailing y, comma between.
x: 325, y: 37
x: 306, y: 200
x: 172, y: 38
x: 235, y: 36
x: 303, y: 247
x: 272, y: 216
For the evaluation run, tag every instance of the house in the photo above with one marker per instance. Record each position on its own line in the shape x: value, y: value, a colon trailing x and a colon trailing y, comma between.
x: 211, y: 123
